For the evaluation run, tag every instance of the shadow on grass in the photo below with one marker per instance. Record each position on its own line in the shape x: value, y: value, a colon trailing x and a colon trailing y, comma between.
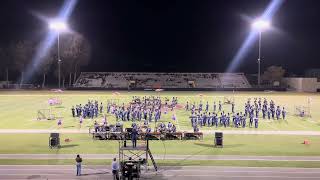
x: 224, y: 146
x: 58, y: 107
x: 180, y: 162
x: 69, y: 126
x: 205, y: 145
x: 69, y: 145
x: 286, y: 122
x: 232, y: 145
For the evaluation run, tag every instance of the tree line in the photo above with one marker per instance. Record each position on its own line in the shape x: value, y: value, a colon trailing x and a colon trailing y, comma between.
x: 16, y: 56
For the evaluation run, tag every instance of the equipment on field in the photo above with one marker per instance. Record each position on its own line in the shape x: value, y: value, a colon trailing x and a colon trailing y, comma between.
x: 54, y: 101
x: 306, y: 142
x: 128, y: 133
x: 45, y: 114
x: 130, y: 169
x: 54, y: 140
x: 228, y: 99
x: 302, y: 111
x: 218, y: 139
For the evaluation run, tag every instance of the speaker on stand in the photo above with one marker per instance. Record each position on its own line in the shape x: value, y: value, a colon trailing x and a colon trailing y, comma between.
x: 218, y: 139
x: 54, y: 140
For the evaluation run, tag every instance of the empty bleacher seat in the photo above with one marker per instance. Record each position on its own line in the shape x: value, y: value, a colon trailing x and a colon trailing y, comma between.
x: 161, y: 80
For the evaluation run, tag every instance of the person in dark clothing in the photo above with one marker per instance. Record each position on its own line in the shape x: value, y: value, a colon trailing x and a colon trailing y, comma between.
x: 73, y: 111
x: 78, y: 164
x: 134, y: 135
x: 96, y: 126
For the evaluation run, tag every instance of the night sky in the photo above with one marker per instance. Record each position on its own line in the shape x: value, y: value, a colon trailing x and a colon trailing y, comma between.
x: 176, y: 36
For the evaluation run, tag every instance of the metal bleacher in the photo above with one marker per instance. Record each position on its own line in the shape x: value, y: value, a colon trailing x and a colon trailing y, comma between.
x: 160, y: 80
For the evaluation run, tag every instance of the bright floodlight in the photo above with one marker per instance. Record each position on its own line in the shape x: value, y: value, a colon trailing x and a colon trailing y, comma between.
x: 58, y: 26
x: 261, y: 24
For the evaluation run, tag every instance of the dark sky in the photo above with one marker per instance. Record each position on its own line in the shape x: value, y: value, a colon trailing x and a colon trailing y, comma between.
x: 176, y: 36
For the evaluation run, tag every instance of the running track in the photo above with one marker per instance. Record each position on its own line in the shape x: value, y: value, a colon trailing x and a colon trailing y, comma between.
x: 167, y: 157
x: 62, y: 172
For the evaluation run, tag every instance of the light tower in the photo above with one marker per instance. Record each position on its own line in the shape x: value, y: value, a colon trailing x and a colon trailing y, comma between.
x: 58, y: 26
x: 260, y: 25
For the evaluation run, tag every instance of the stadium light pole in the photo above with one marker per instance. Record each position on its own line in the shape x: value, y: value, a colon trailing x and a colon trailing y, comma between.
x: 58, y: 26
x: 260, y: 25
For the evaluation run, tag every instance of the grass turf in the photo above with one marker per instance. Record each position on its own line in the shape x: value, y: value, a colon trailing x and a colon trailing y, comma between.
x: 296, y: 164
x: 19, y: 108
x: 19, y: 111
x: 270, y: 145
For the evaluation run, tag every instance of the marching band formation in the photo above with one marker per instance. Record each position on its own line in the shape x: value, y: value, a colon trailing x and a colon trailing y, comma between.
x: 148, y: 109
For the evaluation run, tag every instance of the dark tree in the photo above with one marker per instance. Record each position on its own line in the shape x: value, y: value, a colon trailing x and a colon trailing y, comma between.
x: 20, y: 53
x: 45, y: 66
x: 74, y: 53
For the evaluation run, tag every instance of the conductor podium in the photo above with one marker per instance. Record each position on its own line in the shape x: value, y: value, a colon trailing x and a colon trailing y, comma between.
x: 54, y: 140
x: 132, y: 158
x: 218, y: 139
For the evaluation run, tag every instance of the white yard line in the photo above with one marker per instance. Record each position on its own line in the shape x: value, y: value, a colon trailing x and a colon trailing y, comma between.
x: 168, y: 157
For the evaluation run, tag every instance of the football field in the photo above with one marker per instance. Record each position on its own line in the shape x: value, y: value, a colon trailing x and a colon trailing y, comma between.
x: 19, y: 108
x: 19, y: 113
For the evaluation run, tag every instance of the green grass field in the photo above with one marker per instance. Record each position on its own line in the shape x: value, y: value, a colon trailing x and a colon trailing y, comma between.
x: 19, y: 108
x: 19, y: 111
x: 264, y: 145
x: 107, y: 162
x: 296, y: 164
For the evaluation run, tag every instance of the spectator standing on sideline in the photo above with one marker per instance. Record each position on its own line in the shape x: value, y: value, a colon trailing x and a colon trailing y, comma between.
x: 78, y: 164
x: 115, y: 169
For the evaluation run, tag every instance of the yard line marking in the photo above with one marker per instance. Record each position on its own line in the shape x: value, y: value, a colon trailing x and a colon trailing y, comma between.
x: 272, y: 127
